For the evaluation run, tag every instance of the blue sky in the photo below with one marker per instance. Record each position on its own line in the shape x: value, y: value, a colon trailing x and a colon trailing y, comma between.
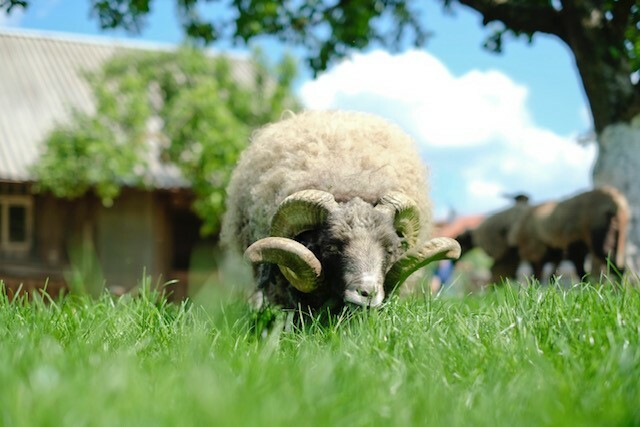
x: 487, y: 124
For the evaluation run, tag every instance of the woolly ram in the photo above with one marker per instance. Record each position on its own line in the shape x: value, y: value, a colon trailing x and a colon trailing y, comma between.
x: 331, y: 208
x: 591, y: 223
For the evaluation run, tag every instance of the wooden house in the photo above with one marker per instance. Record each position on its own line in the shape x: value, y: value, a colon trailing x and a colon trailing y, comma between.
x: 53, y: 241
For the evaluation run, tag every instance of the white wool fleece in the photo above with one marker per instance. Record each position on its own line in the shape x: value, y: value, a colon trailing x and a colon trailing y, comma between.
x: 348, y: 154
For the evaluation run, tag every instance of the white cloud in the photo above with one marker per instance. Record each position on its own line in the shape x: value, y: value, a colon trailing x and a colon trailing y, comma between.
x: 476, y: 130
x: 443, y: 109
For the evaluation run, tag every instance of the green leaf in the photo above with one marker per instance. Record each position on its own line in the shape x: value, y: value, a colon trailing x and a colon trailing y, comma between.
x: 203, y: 113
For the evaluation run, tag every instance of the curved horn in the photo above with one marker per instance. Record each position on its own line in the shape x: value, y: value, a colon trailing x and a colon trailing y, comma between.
x: 297, y: 263
x: 433, y: 250
x: 406, y: 215
x: 302, y: 211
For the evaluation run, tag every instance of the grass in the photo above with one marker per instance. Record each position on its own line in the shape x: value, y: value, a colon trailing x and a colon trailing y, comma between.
x: 534, y: 356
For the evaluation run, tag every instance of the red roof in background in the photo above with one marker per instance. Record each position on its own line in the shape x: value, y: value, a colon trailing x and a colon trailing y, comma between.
x: 457, y: 225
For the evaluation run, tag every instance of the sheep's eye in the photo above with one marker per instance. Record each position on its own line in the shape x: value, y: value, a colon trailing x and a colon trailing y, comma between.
x: 333, y: 248
x: 394, y: 247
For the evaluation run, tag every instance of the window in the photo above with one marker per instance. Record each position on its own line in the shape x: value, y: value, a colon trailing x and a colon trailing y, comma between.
x: 16, y: 223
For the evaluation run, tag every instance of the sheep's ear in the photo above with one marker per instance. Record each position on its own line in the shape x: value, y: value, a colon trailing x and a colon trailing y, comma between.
x: 406, y: 216
x: 297, y: 263
x: 433, y: 250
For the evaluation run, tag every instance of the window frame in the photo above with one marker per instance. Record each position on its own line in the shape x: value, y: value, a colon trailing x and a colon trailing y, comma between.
x: 7, y: 201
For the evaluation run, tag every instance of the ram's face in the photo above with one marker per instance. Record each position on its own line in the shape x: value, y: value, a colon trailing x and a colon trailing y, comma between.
x: 363, y: 246
x: 358, y: 250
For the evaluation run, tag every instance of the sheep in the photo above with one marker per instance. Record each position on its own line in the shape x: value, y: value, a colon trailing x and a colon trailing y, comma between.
x: 592, y: 222
x: 331, y: 208
x: 491, y: 235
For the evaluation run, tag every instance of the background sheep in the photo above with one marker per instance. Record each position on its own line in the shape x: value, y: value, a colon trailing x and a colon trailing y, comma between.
x: 338, y: 201
x: 491, y: 235
x: 594, y: 222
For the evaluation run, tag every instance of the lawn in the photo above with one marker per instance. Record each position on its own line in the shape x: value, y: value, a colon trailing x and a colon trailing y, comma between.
x: 514, y: 357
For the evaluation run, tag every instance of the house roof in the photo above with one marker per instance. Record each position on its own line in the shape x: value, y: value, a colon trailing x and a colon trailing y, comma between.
x: 41, y: 82
x: 457, y: 225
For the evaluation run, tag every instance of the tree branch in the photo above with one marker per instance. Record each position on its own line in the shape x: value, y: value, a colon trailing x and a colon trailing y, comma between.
x: 8, y: 5
x: 621, y: 17
x: 520, y: 17
x: 622, y: 10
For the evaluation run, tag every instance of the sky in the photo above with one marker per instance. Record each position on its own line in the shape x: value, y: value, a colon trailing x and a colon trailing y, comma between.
x: 486, y: 124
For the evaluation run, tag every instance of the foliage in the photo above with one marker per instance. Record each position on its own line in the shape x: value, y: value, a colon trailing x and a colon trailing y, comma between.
x: 536, y: 356
x: 9, y: 5
x: 329, y: 30
x: 618, y: 20
x: 182, y: 108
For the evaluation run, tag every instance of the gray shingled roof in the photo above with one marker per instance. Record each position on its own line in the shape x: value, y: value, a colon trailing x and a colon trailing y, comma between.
x: 41, y: 81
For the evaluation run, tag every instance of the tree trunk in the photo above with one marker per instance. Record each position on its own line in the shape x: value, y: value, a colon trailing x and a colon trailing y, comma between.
x: 615, y: 106
x: 604, y: 69
x: 618, y: 164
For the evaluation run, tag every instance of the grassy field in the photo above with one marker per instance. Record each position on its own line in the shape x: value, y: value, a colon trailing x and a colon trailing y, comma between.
x: 516, y: 357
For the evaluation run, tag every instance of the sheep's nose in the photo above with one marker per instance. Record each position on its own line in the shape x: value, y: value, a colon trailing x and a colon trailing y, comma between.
x: 366, y: 293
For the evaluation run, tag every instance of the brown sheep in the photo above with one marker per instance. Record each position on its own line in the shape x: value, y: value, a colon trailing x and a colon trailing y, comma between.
x: 492, y: 237
x: 593, y: 222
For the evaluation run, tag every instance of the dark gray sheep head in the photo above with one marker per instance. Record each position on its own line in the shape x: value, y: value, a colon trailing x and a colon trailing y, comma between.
x: 358, y: 251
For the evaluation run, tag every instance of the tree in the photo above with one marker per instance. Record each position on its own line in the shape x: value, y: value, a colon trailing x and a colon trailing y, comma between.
x: 330, y: 30
x: 604, y: 36
x: 183, y: 107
